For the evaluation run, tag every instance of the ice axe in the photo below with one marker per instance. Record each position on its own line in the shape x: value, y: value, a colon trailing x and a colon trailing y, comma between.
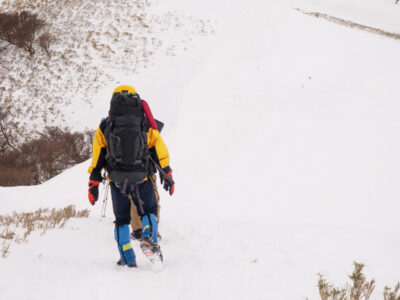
x: 162, y: 172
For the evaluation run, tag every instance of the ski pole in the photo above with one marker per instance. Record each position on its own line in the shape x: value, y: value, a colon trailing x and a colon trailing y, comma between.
x: 104, y: 207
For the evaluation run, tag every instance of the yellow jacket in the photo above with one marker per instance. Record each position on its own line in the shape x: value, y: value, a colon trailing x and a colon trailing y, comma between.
x: 154, y: 141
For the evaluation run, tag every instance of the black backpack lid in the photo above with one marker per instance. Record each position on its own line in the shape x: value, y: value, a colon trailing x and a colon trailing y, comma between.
x: 125, y: 104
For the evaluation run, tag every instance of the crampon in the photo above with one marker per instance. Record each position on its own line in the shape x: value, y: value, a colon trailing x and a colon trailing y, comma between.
x: 153, y: 253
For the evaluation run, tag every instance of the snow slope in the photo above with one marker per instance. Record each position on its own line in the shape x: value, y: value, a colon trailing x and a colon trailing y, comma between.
x: 283, y: 134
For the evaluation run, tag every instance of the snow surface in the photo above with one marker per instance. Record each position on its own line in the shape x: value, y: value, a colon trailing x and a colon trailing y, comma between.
x: 283, y: 133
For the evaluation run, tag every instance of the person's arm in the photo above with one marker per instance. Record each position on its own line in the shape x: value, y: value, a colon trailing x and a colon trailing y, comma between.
x: 99, y: 151
x: 98, y: 162
x: 156, y: 141
x: 158, y: 150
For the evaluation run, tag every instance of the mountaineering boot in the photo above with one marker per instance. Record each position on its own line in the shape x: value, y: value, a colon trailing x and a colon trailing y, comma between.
x: 119, y: 263
x: 122, y: 237
x: 137, y: 234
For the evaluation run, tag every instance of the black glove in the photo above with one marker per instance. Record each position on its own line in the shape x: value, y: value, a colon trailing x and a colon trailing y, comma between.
x: 167, y: 181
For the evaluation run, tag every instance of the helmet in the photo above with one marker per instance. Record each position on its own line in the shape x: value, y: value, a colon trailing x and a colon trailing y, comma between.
x: 124, y: 89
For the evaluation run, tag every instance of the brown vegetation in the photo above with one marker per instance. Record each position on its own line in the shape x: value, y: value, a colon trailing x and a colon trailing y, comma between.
x: 41, y: 219
x: 43, y: 157
x: 20, y: 29
x: 351, y: 24
x: 45, y: 40
x: 359, y: 289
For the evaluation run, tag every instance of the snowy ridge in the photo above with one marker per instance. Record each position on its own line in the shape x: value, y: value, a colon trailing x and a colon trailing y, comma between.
x: 380, y: 14
x: 283, y: 134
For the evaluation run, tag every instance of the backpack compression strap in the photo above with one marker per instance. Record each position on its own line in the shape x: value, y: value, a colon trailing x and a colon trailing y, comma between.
x: 149, y: 115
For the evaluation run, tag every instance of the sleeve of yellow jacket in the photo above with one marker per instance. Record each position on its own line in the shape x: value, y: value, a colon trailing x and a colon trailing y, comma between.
x: 155, y: 140
x: 99, y: 151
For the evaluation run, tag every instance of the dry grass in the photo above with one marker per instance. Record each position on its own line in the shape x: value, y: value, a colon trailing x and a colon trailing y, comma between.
x: 359, y: 289
x: 18, y: 226
x: 390, y: 294
x: 351, y: 24
x: 5, y: 249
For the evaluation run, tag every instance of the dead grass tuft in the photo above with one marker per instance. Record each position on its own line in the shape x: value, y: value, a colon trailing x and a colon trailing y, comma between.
x: 18, y: 226
x: 392, y: 295
x: 5, y: 249
x: 359, y: 289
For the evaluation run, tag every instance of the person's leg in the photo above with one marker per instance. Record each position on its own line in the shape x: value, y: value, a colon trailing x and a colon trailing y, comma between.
x: 147, y: 210
x: 157, y: 195
x: 154, y: 180
x: 121, y: 207
x: 135, y: 219
x: 122, y: 237
x: 150, y: 227
x: 136, y: 222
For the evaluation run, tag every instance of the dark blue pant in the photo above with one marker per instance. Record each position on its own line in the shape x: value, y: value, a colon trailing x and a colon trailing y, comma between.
x: 122, y: 203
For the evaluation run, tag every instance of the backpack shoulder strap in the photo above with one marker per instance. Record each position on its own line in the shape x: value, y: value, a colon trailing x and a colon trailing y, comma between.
x: 106, y: 126
x: 103, y: 124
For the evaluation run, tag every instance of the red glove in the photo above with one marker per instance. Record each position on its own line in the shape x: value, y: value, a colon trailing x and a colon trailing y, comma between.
x: 169, y: 184
x: 93, y: 191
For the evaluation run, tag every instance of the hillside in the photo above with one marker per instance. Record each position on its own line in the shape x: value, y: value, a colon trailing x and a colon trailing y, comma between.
x: 283, y: 131
x: 90, y: 42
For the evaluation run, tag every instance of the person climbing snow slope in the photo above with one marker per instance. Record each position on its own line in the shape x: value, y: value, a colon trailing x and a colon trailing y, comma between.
x: 129, y: 146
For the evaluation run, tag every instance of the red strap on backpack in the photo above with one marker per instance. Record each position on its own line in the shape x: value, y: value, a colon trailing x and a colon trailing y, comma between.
x: 149, y: 115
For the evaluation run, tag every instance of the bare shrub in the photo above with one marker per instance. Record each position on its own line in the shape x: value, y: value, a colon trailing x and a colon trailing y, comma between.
x: 17, y: 174
x: 8, y: 27
x: 45, y: 40
x: 29, y: 25
x: 8, y: 140
x: 360, y: 289
x: 20, y: 29
x: 328, y: 292
x: 44, y: 157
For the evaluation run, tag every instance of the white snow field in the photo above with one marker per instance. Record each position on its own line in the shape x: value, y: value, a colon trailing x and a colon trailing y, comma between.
x: 283, y: 131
